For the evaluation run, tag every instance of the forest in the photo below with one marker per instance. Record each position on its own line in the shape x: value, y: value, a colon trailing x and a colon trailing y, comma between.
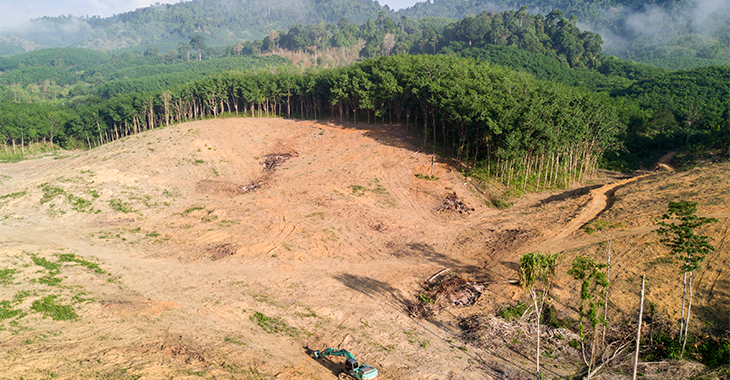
x: 667, y: 33
x: 672, y: 34
x: 525, y: 131
x: 653, y: 109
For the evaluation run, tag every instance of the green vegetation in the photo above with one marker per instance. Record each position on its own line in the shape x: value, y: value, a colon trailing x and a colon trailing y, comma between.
x: 275, y: 325
x: 537, y: 271
x: 191, y: 209
x: 427, y: 177
x: 666, y: 33
x: 44, y: 293
x: 121, y: 206
x: 43, y: 262
x: 49, y: 308
x: 513, y: 313
x: 14, y: 195
x: 158, y: 30
x: 7, y: 310
x: 79, y: 204
x: 49, y: 192
x: 6, y: 276
x: 677, y: 230
x: 71, y: 257
x: 511, y: 135
x: 594, y: 286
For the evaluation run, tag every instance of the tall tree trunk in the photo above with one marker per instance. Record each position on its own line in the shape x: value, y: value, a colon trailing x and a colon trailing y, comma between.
x: 608, y: 281
x: 689, y: 311
x: 537, y: 326
x: 684, y: 297
x: 638, y: 329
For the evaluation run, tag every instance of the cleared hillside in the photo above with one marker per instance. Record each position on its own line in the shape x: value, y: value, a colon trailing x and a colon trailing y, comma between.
x: 230, y: 247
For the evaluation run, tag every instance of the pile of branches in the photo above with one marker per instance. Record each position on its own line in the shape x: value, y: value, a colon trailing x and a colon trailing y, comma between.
x: 221, y: 251
x: 458, y: 291
x: 453, y: 203
x: 449, y: 291
x: 270, y: 164
x: 273, y: 161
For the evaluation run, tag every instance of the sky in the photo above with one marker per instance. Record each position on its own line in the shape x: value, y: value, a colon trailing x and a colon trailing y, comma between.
x: 14, y: 12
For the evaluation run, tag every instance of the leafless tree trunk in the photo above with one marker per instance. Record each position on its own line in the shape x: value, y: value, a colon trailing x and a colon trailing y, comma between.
x: 638, y: 329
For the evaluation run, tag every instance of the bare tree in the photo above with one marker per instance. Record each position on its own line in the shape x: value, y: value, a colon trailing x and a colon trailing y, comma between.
x: 537, y: 271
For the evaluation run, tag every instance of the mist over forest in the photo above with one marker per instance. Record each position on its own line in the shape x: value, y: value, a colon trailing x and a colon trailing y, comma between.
x: 695, y: 31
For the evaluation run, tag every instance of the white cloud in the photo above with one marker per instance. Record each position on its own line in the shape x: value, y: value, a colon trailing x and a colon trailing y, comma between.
x: 14, y: 12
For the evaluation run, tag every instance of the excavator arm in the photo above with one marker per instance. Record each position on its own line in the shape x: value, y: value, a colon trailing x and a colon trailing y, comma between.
x: 333, y: 352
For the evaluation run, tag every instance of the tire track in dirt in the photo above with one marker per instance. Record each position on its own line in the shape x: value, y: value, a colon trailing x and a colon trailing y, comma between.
x: 601, y: 199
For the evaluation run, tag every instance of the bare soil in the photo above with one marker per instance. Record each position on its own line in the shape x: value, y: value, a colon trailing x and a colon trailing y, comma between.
x: 232, y: 248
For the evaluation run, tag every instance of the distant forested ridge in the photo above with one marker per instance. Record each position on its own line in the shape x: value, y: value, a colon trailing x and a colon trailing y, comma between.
x: 64, y: 74
x: 674, y: 34
x: 165, y: 25
x: 688, y: 107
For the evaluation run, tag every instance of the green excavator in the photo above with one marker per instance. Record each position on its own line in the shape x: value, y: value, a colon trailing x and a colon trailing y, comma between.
x: 352, y: 366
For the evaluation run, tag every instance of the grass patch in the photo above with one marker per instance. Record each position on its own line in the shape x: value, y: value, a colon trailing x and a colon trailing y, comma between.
x: 233, y: 340
x: 49, y: 308
x: 171, y: 193
x: 427, y: 177
x: 71, y: 257
x: 513, y: 313
x: 79, y: 204
x: 21, y: 295
x: 7, y: 311
x: 6, y: 276
x: 42, y: 262
x: 50, y: 280
x: 14, y: 195
x: 373, y: 187
x: 49, y: 192
x: 358, y: 190
x: 501, y: 204
x: 119, y: 205
x: 191, y: 209
x: 315, y: 215
x: 274, y: 325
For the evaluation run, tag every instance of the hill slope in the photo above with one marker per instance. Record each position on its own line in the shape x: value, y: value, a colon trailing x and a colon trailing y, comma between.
x: 228, y: 247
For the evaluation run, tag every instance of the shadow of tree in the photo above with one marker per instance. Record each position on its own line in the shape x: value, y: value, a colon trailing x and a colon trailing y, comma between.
x: 714, y: 311
x: 430, y: 254
x: 372, y: 287
x: 391, y: 134
x: 567, y: 195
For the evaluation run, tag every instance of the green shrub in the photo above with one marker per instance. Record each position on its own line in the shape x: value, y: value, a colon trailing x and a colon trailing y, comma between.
x: 513, y: 313
x: 715, y: 352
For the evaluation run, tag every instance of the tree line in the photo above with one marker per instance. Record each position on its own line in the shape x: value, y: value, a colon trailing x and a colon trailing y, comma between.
x: 526, y: 132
